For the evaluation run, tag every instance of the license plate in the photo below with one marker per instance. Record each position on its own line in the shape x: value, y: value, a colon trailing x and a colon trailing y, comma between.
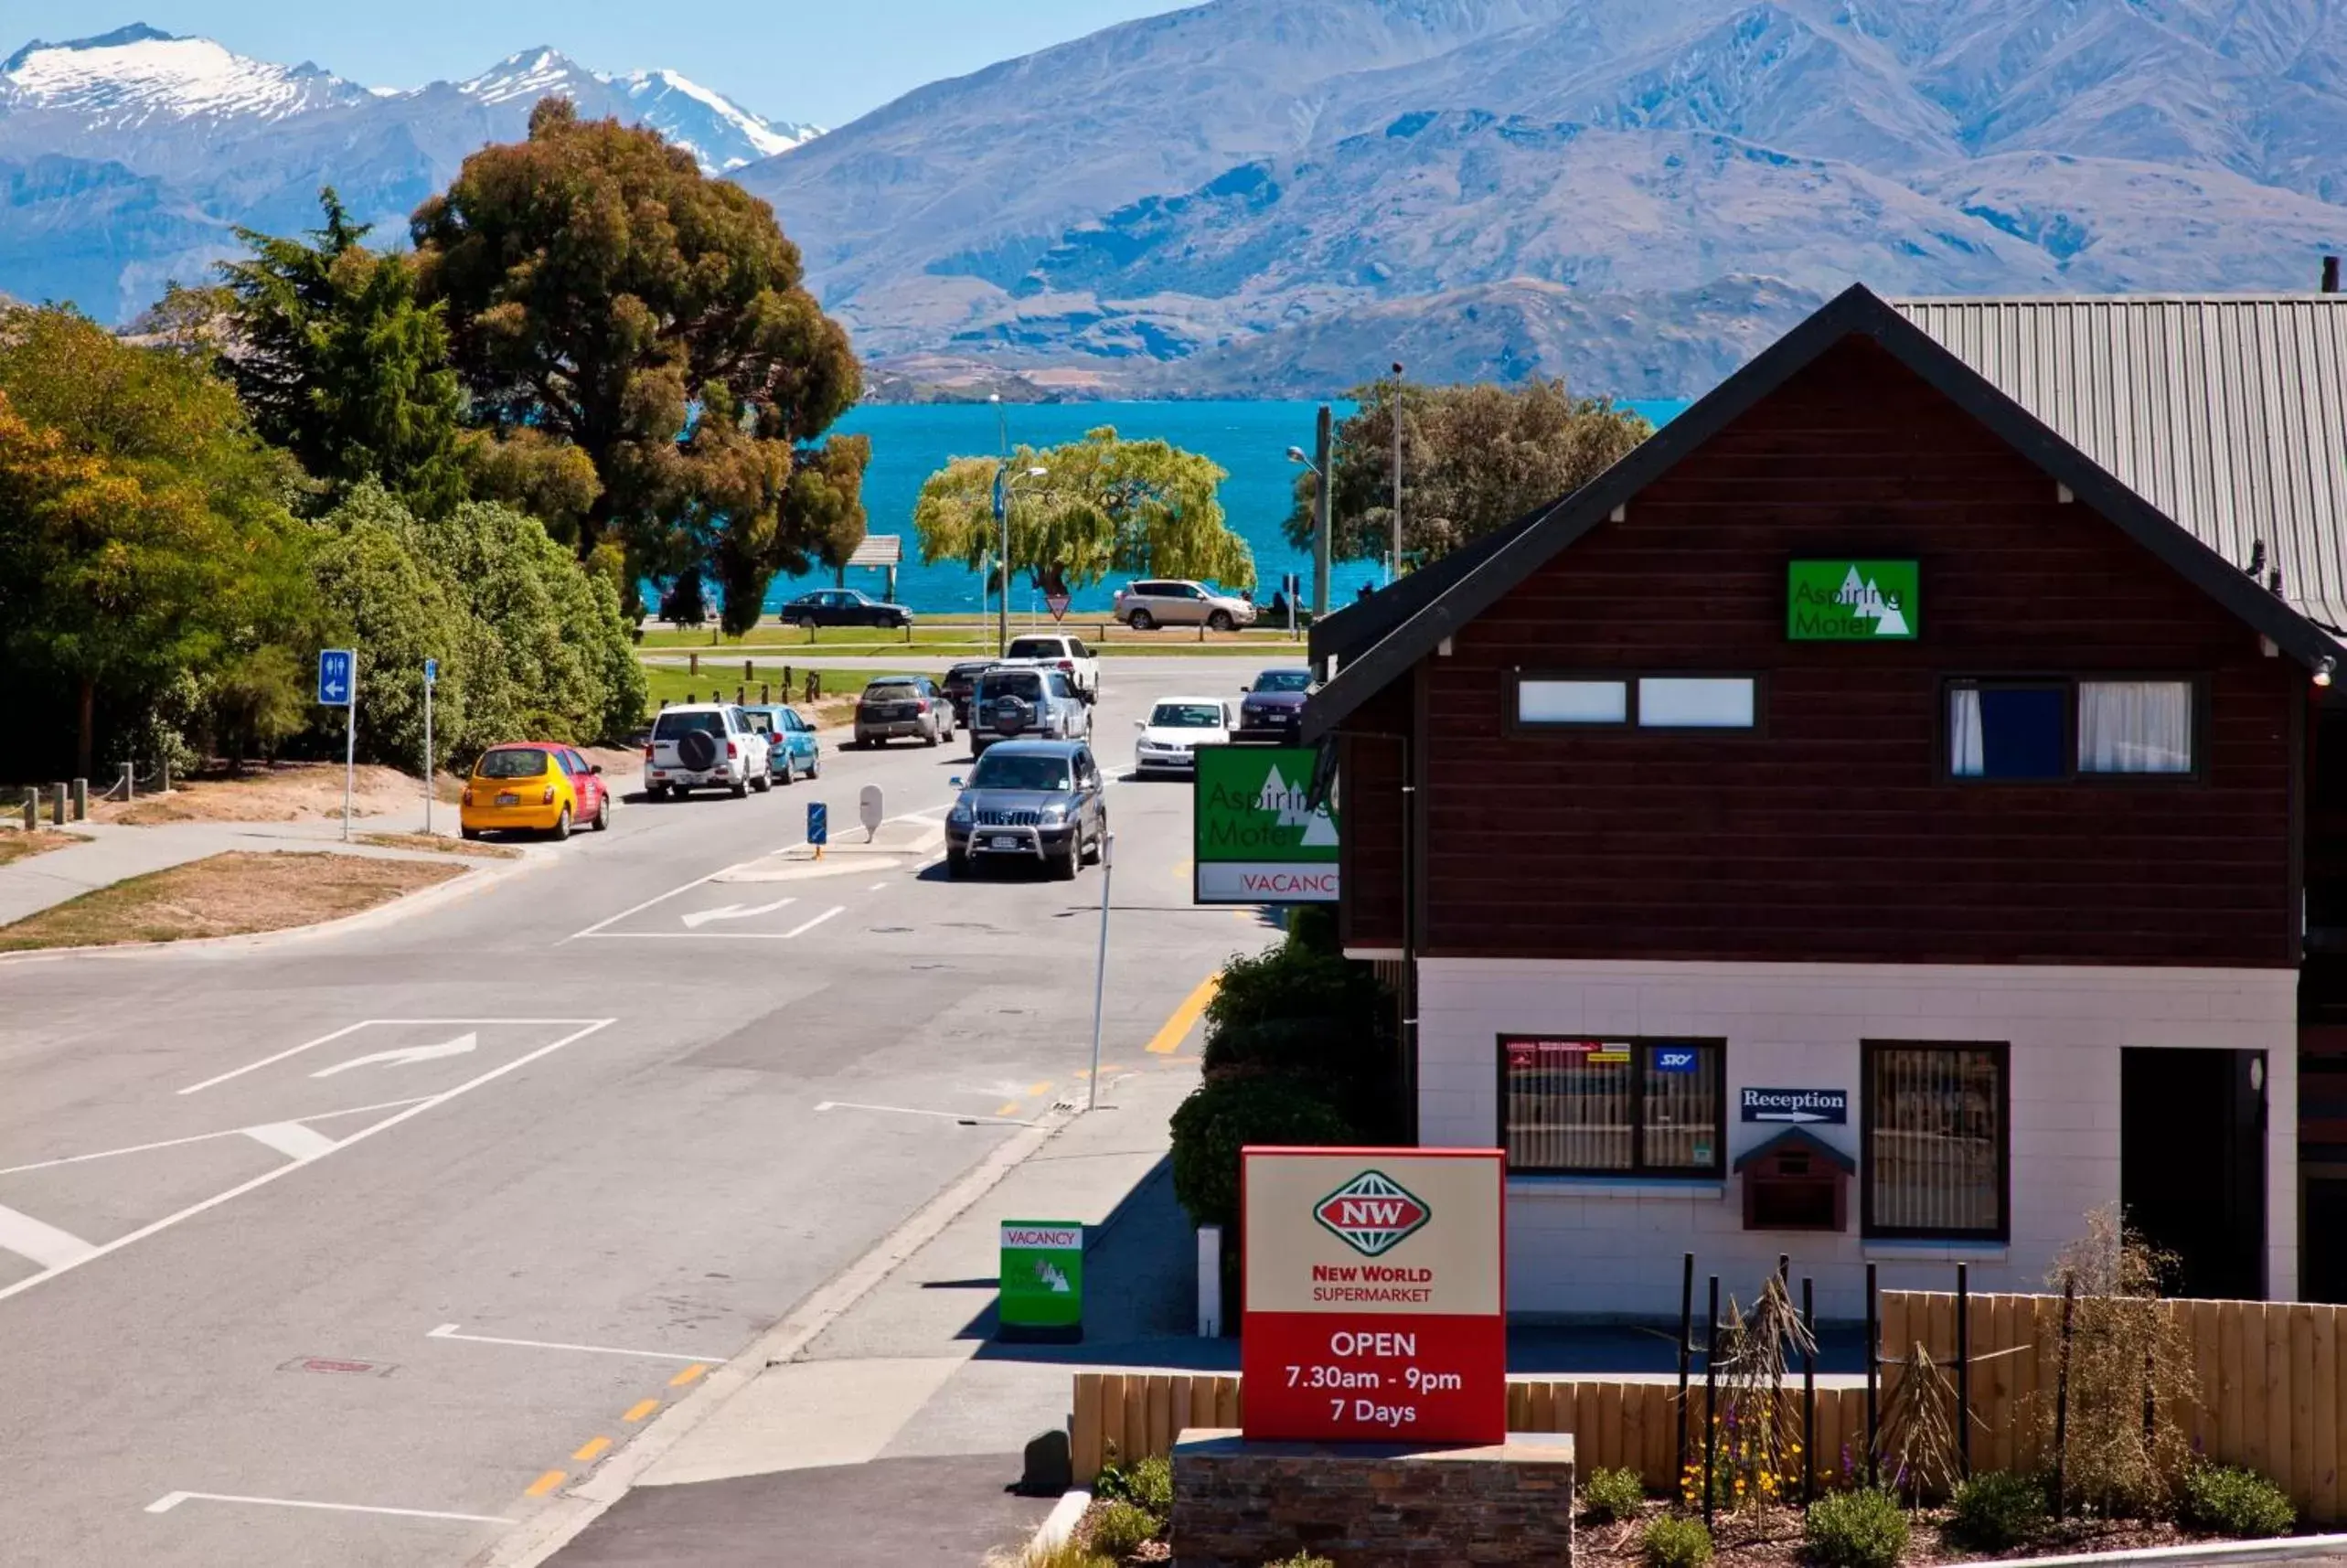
x: 1005, y: 841
x: 508, y: 800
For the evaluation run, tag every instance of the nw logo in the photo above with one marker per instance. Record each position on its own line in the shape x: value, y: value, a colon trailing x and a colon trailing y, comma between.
x: 1372, y: 1212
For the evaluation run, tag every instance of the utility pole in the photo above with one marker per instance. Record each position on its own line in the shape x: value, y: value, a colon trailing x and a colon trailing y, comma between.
x: 1393, y: 566
x: 1002, y: 522
x: 1323, y: 506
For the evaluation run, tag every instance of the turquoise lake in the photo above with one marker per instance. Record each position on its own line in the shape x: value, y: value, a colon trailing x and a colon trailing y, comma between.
x: 1248, y: 439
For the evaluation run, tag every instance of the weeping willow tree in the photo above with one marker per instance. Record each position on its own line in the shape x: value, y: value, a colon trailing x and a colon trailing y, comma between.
x: 1101, y: 505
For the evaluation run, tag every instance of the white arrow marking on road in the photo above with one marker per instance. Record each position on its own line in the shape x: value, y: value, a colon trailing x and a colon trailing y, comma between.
x: 448, y: 1331
x: 457, y: 1047
x: 170, y: 1500
x: 702, y: 917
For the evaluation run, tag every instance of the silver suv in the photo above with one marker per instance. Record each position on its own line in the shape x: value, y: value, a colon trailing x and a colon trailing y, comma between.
x: 1166, y: 601
x: 1029, y: 801
x: 706, y: 745
x: 1009, y: 701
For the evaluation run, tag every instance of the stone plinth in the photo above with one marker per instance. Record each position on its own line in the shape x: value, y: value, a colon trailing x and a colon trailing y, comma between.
x: 1238, y: 1504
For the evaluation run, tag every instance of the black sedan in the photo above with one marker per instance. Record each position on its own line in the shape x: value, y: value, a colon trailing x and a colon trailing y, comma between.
x: 843, y: 607
x: 957, y: 684
x: 1273, y: 708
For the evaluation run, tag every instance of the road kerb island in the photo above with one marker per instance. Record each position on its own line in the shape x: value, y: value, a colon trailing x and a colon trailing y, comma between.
x: 541, y: 1535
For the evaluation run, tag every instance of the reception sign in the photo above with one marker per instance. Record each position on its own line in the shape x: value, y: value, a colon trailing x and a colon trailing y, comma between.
x: 1375, y: 1306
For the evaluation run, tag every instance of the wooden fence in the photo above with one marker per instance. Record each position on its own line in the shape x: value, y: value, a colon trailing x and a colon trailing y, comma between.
x: 2272, y: 1379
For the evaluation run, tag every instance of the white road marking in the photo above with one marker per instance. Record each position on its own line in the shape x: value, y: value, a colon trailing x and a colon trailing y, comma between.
x: 818, y: 920
x: 695, y: 919
x: 170, y: 1500
x: 41, y: 1241
x: 205, y: 1137
x: 419, y: 1108
x: 461, y: 1045
x: 876, y: 887
x: 448, y: 1331
x: 363, y: 1023
x: 291, y: 1139
x: 917, y: 1111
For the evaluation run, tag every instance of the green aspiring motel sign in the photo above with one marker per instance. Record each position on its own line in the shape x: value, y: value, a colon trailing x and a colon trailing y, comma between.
x: 1258, y: 838
x: 1846, y: 601
x: 1041, y: 1289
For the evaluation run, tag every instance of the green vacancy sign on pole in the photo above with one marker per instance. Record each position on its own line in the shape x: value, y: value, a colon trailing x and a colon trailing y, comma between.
x: 1042, y: 1280
x: 1258, y: 838
x: 1845, y: 601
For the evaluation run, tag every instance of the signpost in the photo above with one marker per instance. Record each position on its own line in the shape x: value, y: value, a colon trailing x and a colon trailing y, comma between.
x: 339, y: 687
x: 1375, y: 1306
x: 1256, y: 839
x: 430, y: 680
x: 1100, y: 971
x: 1844, y: 601
x: 1056, y: 602
x: 1042, y: 1293
x: 818, y: 826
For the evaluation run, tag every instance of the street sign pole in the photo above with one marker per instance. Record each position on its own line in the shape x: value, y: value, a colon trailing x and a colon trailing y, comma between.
x: 431, y: 668
x: 1100, y: 973
x: 349, y: 744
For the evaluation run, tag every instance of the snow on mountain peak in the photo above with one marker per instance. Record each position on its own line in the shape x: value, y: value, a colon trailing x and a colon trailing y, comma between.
x: 139, y: 74
x: 719, y: 133
x: 529, y: 73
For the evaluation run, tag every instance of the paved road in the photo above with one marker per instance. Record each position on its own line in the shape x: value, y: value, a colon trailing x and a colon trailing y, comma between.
x: 272, y: 1221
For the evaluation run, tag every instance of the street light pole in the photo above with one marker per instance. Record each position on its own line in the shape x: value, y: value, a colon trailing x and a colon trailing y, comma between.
x: 1394, y: 564
x: 1324, y: 502
x: 1002, y: 535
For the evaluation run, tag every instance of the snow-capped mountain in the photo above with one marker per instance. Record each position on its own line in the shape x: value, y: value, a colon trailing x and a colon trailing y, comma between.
x: 127, y: 160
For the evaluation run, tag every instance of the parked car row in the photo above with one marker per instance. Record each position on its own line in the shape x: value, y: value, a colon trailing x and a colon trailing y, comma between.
x: 1270, y: 709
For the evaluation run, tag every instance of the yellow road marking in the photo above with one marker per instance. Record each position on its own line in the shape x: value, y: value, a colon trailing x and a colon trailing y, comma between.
x: 1185, y: 1016
x: 1006, y: 1108
x: 640, y: 1409
x: 591, y: 1450
x: 545, y: 1483
x: 688, y: 1374
x: 1038, y: 1088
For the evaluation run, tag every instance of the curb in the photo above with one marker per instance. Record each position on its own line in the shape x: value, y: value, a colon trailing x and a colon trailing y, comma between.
x: 546, y: 1532
x: 2275, y: 1549
x: 1061, y: 1522
x: 475, y: 879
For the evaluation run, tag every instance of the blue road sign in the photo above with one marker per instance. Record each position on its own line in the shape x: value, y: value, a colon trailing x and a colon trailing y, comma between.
x: 818, y: 822
x: 431, y: 672
x: 334, y: 675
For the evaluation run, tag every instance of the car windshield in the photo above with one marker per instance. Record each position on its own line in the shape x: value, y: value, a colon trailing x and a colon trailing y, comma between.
x: 1036, y: 648
x: 1284, y: 681
x: 1023, y: 683
x: 512, y: 763
x: 1186, y: 716
x: 668, y: 726
x: 1009, y: 770
x: 758, y: 720
x: 891, y: 691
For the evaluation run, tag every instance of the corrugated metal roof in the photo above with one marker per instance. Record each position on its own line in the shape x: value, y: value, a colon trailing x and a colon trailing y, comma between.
x: 2226, y: 413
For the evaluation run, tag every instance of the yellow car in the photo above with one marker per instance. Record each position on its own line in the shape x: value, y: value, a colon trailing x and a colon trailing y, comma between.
x: 537, y: 786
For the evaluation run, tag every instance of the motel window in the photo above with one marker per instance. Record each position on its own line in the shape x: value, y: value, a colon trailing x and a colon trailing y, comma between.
x: 1935, y: 1134
x: 1612, y: 1107
x: 2055, y: 730
x: 1645, y: 702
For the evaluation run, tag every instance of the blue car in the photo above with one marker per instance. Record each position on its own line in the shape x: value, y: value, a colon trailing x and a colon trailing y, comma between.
x: 791, y: 739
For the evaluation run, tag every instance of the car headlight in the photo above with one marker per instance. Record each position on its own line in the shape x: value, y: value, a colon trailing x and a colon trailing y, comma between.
x: 1053, y: 816
x: 960, y: 816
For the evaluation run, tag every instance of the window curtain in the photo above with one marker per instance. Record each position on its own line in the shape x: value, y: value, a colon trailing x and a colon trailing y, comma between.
x: 1569, y: 1106
x: 1967, y: 757
x: 2135, y: 727
x: 1936, y: 1145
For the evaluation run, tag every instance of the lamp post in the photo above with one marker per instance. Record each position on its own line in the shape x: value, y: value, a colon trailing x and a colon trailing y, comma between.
x: 1394, y: 564
x: 1004, y: 485
x: 1323, y: 503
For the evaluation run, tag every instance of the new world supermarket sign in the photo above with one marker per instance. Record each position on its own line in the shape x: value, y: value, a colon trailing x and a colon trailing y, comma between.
x: 1257, y: 836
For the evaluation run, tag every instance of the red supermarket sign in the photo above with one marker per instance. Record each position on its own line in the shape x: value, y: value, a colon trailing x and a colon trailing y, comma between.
x: 1375, y: 1306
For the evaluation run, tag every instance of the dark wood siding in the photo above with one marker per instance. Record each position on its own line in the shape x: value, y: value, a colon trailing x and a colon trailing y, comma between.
x: 1369, y: 794
x: 1830, y: 835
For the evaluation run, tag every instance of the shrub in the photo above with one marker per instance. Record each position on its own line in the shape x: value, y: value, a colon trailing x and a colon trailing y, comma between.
x: 1671, y: 1542
x: 1066, y: 1552
x: 2227, y: 1500
x: 1996, y: 1510
x: 1863, y: 1529
x: 1613, y: 1495
x: 1119, y: 1529
x: 1225, y: 1115
x: 1146, y: 1483
x: 1302, y: 1559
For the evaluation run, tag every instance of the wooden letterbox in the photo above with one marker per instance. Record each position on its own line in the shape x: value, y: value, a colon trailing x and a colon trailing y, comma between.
x: 1796, y: 1182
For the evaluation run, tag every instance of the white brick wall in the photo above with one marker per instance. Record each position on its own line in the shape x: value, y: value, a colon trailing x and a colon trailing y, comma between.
x: 1572, y: 1249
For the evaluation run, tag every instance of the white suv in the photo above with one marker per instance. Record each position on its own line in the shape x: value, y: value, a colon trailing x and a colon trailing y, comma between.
x: 706, y: 745
x: 1059, y: 651
x: 1163, y: 601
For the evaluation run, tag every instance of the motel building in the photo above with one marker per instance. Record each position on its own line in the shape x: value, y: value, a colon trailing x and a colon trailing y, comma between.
x: 1898, y: 808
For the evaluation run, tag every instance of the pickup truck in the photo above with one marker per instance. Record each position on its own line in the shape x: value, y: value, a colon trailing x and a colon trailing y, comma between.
x: 1062, y: 652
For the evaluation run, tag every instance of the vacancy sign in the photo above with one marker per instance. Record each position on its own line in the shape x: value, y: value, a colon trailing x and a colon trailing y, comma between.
x: 1259, y: 836
x: 1375, y: 1310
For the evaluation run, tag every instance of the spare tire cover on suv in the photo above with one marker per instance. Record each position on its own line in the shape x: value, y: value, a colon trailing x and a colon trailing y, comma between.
x: 697, y: 749
x: 1009, y: 715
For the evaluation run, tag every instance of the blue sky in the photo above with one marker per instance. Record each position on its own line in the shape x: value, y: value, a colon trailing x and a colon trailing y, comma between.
x: 820, y: 60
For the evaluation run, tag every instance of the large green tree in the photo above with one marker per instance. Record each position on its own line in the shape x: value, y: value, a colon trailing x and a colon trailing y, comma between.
x: 1474, y: 457
x: 342, y: 365
x: 145, y: 534
x: 1101, y: 505
x: 603, y: 293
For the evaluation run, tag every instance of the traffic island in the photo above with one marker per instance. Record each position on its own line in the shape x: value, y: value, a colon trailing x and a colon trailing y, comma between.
x: 1237, y: 1503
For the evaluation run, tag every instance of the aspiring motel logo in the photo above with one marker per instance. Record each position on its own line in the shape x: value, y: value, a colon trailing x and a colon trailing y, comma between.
x: 1371, y: 1214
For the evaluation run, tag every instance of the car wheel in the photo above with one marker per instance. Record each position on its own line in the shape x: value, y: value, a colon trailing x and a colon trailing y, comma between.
x: 929, y: 737
x: 561, y: 829
x: 1092, y: 850
x: 1219, y: 621
x: 741, y: 789
x: 957, y: 865
x: 602, y: 814
x: 790, y: 771
x: 1064, y: 864
x: 815, y: 765
x: 469, y: 834
x: 1143, y: 620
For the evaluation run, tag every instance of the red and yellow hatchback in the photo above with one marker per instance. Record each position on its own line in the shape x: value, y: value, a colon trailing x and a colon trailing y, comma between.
x: 536, y: 786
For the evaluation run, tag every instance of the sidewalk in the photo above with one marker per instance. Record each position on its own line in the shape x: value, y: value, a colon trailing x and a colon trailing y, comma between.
x: 115, y: 853
x: 891, y: 1438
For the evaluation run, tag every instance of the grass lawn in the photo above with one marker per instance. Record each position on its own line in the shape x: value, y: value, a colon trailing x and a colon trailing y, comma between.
x: 224, y: 895
x: 436, y: 844
x: 20, y: 845
x: 718, y: 680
